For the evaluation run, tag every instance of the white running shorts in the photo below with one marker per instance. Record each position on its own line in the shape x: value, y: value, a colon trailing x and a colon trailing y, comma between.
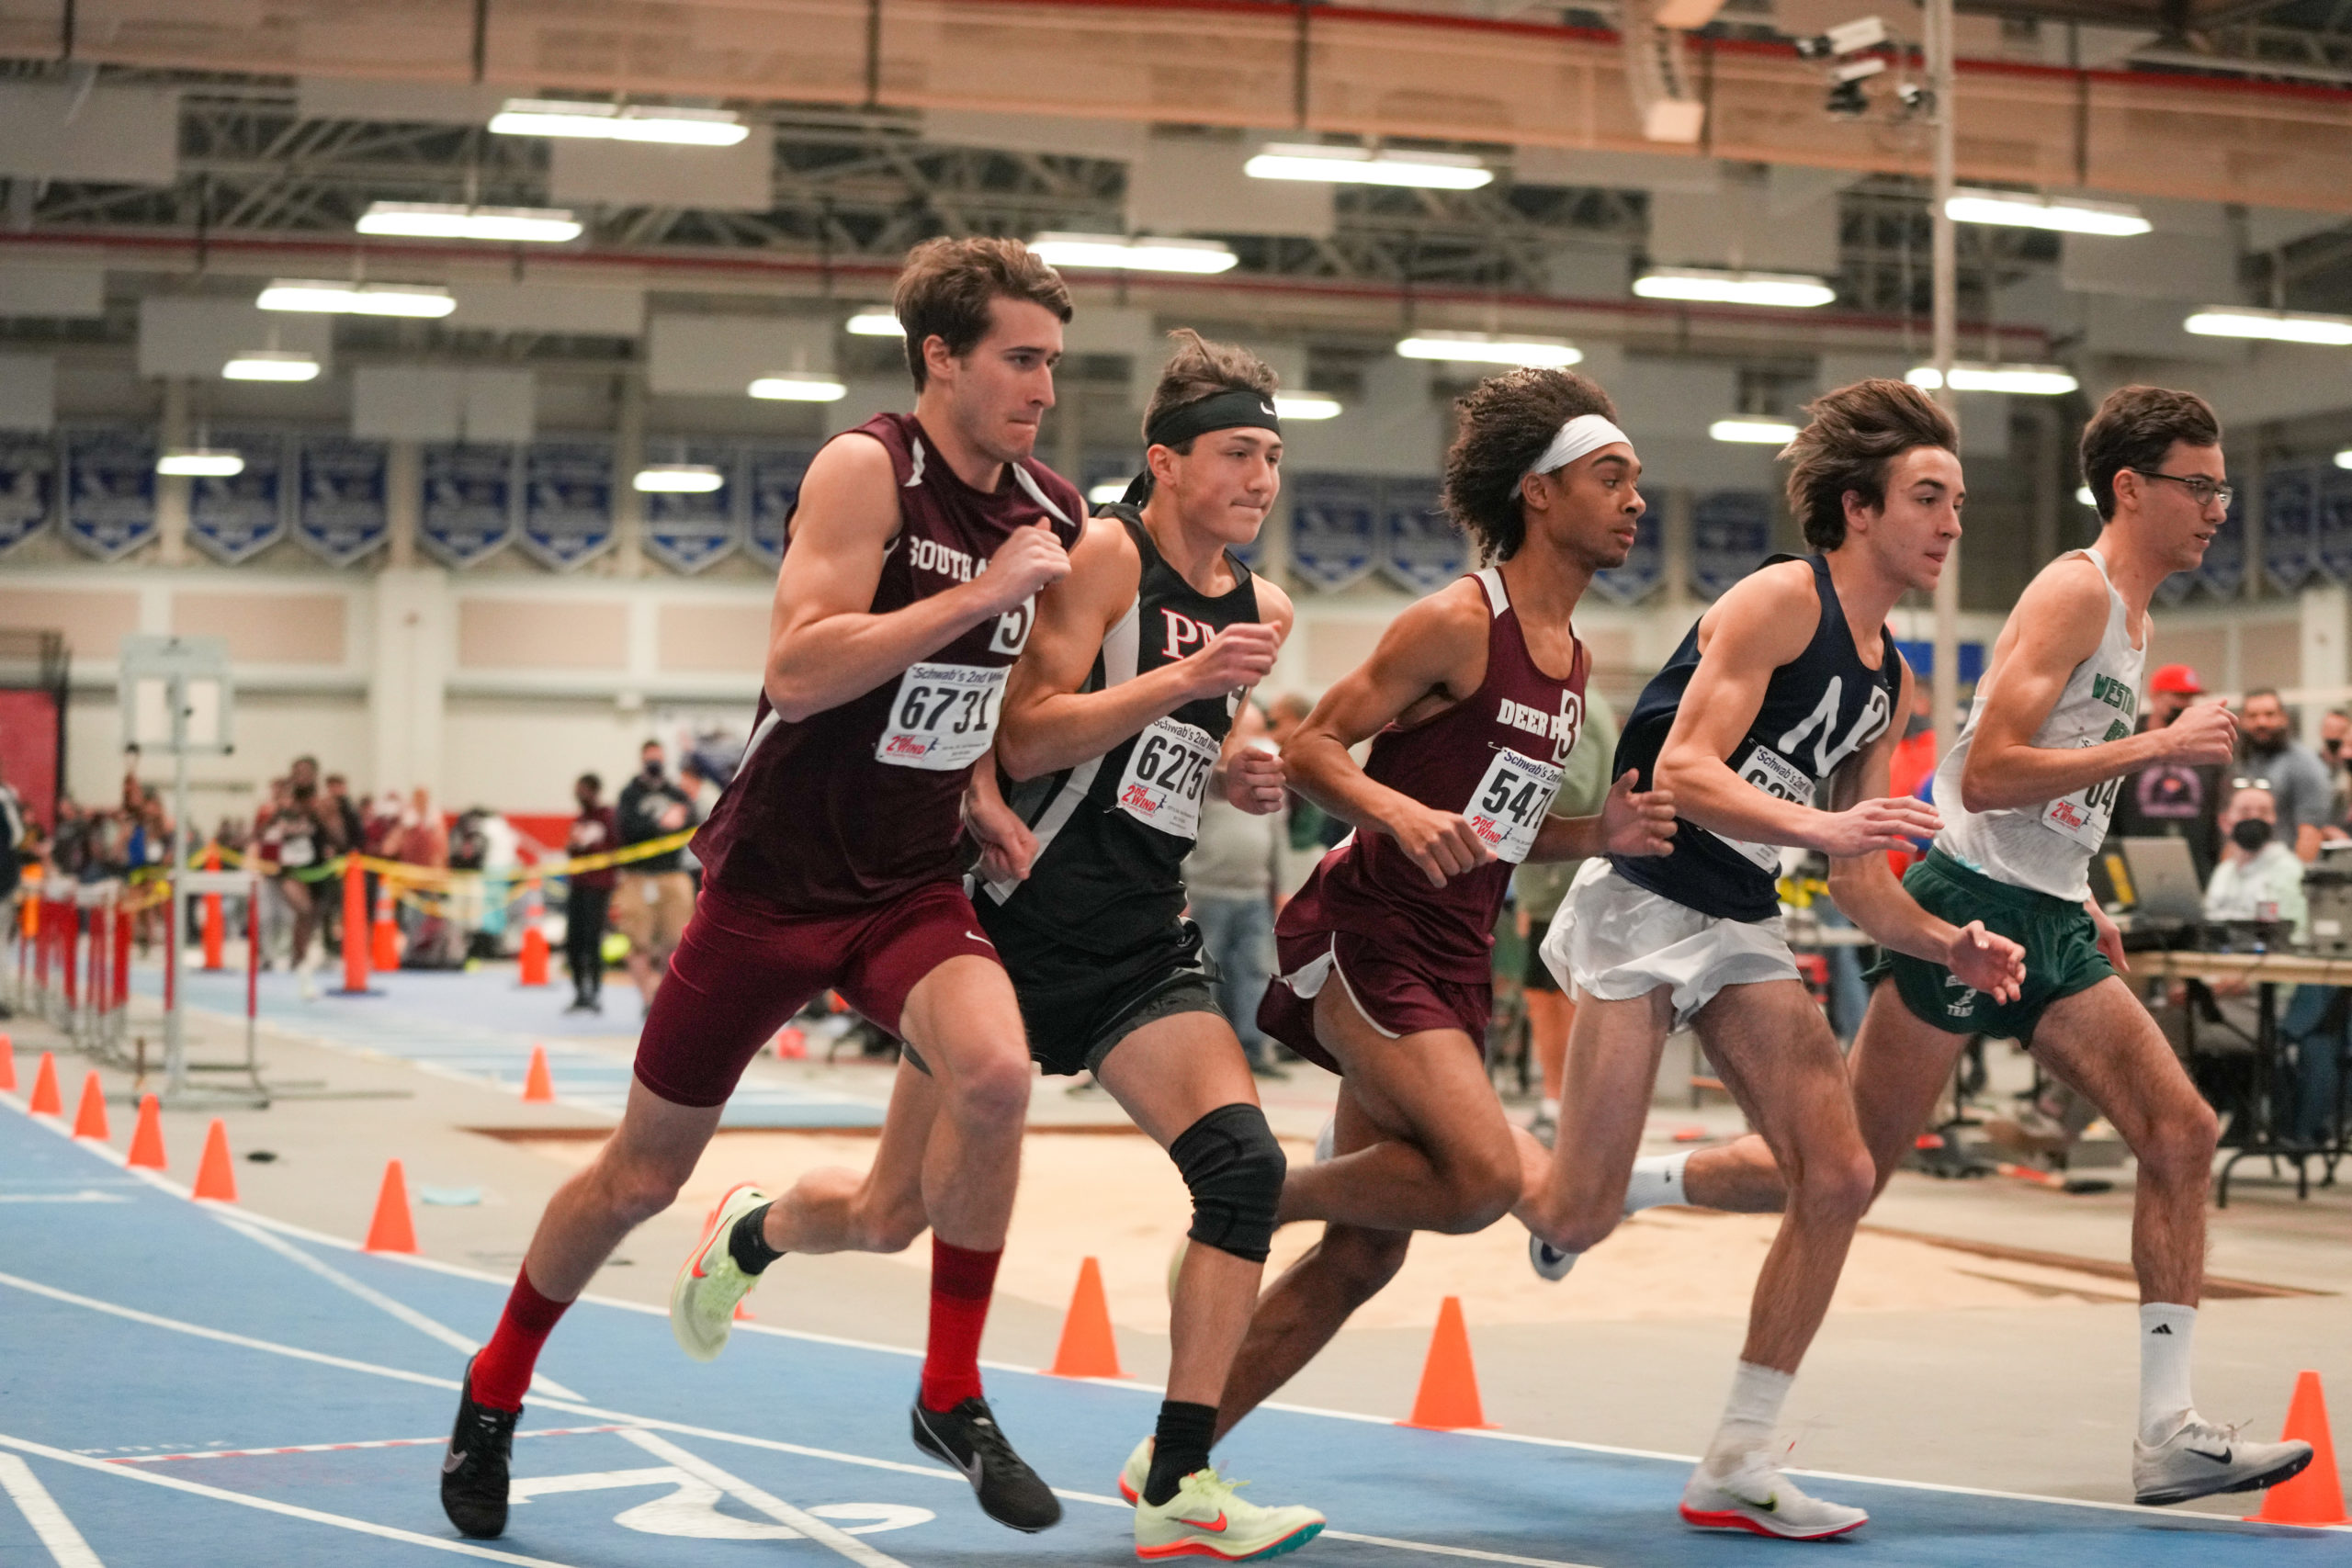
x: 1614, y: 940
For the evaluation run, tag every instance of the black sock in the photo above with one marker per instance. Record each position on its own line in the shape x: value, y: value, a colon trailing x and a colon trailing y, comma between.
x: 747, y: 1247
x: 1180, y: 1445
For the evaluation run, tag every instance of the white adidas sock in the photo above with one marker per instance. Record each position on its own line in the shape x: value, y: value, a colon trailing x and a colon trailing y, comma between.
x: 1749, y: 1416
x: 1657, y: 1178
x: 2166, y: 1329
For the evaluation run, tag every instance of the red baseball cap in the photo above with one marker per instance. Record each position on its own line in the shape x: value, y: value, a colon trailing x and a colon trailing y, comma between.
x: 2177, y: 680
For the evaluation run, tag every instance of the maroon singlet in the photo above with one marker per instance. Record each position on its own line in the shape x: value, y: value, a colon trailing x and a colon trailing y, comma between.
x: 860, y: 803
x: 1494, y: 756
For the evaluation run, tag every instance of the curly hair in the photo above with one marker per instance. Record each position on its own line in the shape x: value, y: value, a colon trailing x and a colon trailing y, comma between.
x: 1856, y: 434
x: 2135, y: 428
x: 1502, y: 425
x: 945, y: 286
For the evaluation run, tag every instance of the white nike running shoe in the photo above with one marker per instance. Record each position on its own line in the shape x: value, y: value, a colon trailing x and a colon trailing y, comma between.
x: 1548, y: 1261
x: 1758, y: 1498
x: 2202, y: 1459
x: 1206, y: 1517
x: 703, y: 1297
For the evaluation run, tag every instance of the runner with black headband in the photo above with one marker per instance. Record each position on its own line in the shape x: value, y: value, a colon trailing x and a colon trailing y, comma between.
x: 1118, y: 722
x: 1472, y: 701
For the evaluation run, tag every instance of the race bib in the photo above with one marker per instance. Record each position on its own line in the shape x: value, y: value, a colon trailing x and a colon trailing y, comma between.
x: 295, y: 852
x: 1783, y: 780
x: 1507, y: 809
x: 943, y: 718
x: 2082, y: 816
x: 1167, y: 774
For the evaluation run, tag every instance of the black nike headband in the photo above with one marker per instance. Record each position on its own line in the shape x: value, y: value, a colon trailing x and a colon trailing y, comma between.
x: 1234, y: 407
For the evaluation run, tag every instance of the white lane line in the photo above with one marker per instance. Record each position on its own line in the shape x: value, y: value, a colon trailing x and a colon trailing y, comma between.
x: 1471, y: 1553
x: 87, y: 1195
x: 338, y: 1447
x: 782, y: 1512
x: 374, y: 1297
x: 270, y: 1505
x: 48, y: 1521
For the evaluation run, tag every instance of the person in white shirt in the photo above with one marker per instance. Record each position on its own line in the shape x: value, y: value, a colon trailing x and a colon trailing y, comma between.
x: 2256, y: 869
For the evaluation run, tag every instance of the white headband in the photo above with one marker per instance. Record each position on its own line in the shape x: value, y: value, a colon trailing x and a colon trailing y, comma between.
x: 1584, y: 433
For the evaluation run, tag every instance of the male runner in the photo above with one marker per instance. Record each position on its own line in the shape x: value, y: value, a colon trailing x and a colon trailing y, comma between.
x: 1787, y: 682
x: 1118, y: 721
x: 917, y: 548
x: 2025, y: 794
x: 1475, y: 697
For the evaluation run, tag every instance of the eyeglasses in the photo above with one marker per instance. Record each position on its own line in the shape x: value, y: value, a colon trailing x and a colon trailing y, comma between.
x: 2204, y: 489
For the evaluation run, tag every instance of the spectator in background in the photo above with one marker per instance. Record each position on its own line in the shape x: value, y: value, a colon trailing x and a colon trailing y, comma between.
x: 1539, y: 887
x: 1229, y: 879
x: 307, y: 833
x: 2259, y: 876
x: 588, y: 897
x: 655, y: 896
x: 2336, y: 750
x: 2300, y: 788
x: 2173, y: 800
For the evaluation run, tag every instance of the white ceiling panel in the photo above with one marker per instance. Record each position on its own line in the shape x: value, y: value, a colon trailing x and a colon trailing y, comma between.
x: 128, y: 135
x: 740, y: 179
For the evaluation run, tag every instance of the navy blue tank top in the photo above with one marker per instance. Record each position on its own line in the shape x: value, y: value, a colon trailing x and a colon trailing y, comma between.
x: 1819, y: 709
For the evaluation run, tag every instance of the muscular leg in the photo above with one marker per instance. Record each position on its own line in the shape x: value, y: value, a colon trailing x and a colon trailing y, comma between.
x: 633, y: 1178
x: 1549, y: 1014
x: 1611, y: 1067
x: 834, y: 1209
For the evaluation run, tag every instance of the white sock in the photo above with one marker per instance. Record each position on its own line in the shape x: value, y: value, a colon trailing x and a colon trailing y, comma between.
x: 1657, y: 1178
x: 2166, y: 1329
x: 1549, y: 1110
x: 1749, y: 1416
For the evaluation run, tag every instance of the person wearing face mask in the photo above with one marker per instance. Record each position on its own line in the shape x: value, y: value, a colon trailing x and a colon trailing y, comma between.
x: 2299, y: 782
x: 2170, y: 798
x: 588, y: 894
x: 656, y: 896
x: 2259, y: 876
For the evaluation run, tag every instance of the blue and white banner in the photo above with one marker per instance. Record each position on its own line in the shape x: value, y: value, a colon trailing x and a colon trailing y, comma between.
x: 342, y: 513
x: 28, y: 487
x: 2289, y: 527
x: 688, y: 532
x: 2331, y: 531
x: 1334, y: 529
x: 234, y: 519
x: 1731, y: 533
x: 471, y: 496
x: 109, y: 507
x: 1420, y: 546
x: 770, y: 479
x: 567, y: 501
x: 1644, y: 569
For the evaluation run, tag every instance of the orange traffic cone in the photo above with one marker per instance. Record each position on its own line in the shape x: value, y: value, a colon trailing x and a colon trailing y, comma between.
x: 538, y: 1084
x: 147, y: 1138
x: 743, y: 1311
x: 8, y: 1064
x: 385, y: 948
x: 391, y: 1230
x: 1448, y: 1400
x: 791, y: 1045
x: 46, y: 1101
x: 215, y: 1178
x: 1088, y: 1349
x: 90, y: 1116
x: 2316, y: 1497
x: 532, y: 962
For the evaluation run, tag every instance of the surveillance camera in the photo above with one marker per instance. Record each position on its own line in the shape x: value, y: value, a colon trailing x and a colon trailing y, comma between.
x: 1914, y: 97
x: 1814, y: 47
x: 1856, y: 70
x: 1847, y: 101
x: 1851, y: 38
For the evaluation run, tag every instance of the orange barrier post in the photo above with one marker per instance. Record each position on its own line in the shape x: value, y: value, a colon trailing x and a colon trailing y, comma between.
x: 391, y: 1230
x: 354, y: 927
x: 90, y: 1116
x: 147, y: 1138
x: 215, y: 1178
x: 2316, y: 1497
x: 538, y: 1084
x: 385, y: 953
x: 46, y: 1101
x: 1087, y: 1348
x: 533, y: 964
x: 215, y: 929
x: 791, y: 1045
x: 1448, y: 1400
x: 8, y: 1064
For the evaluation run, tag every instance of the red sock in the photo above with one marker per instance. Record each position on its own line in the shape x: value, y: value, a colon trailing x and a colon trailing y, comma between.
x: 961, y: 1284
x: 502, y: 1370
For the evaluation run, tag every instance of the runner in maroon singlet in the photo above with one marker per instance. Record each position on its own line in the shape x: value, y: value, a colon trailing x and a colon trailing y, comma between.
x: 916, y: 554
x: 1475, y: 696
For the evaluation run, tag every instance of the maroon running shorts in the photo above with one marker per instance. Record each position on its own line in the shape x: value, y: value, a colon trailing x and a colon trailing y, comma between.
x: 1397, y: 998
x: 742, y: 971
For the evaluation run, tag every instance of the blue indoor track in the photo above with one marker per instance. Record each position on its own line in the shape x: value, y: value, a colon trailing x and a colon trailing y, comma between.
x: 186, y: 1384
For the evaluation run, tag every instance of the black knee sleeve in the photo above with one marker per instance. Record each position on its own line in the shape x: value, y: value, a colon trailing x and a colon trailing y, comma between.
x: 1234, y: 1169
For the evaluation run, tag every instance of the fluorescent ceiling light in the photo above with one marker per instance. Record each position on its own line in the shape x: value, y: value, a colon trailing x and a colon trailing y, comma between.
x: 2033, y: 380
x: 1134, y: 255
x: 357, y: 299
x: 1107, y: 492
x: 875, y: 322
x: 1361, y: 166
x: 799, y: 387
x: 1491, y: 348
x: 1306, y: 405
x: 617, y: 122
x: 2281, y: 326
x: 271, y: 365
x: 1754, y: 430
x: 451, y: 220
x: 1716, y: 287
x: 678, y: 478
x: 2023, y: 210
x: 201, y: 463
x: 2083, y: 493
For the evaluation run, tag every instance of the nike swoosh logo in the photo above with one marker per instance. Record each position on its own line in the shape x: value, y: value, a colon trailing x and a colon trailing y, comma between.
x: 1216, y: 1525
x: 971, y: 1469
x: 450, y: 1461
x: 978, y: 936
x: 1769, y: 1506
x: 2221, y: 1457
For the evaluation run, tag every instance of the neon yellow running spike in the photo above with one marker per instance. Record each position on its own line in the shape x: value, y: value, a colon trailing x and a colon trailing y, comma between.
x: 703, y: 1297
x: 1207, y: 1519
